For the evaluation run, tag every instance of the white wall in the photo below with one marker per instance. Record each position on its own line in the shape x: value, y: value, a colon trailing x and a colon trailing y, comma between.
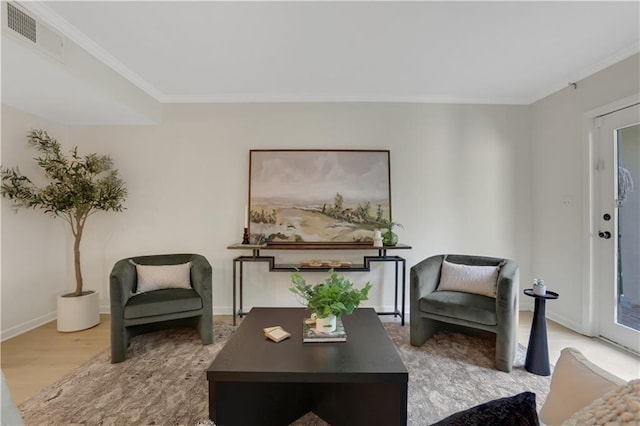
x: 459, y: 184
x: 497, y: 180
x: 36, y: 265
x: 91, y: 90
x: 560, y: 196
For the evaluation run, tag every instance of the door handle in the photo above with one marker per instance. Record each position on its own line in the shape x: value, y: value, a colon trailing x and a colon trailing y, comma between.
x: 606, y: 234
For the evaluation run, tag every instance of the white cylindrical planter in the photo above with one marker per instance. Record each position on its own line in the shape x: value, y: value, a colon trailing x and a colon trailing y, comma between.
x: 326, y: 325
x: 377, y: 238
x: 78, y: 313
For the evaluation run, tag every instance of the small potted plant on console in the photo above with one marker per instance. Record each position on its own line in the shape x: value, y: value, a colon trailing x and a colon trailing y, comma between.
x: 390, y: 238
x: 329, y: 299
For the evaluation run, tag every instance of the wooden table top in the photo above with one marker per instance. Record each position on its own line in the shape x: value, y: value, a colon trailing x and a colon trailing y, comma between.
x: 368, y: 355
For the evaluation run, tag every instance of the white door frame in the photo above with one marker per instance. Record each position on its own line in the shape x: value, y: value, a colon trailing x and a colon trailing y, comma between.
x: 589, y: 319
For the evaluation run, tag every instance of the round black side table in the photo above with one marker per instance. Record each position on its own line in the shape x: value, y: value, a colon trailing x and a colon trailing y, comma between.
x: 537, y: 361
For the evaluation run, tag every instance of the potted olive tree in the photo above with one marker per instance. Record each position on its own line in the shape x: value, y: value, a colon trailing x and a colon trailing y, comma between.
x: 330, y: 298
x: 78, y: 187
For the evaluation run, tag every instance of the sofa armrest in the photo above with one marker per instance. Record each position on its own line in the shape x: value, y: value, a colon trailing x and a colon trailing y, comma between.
x: 201, y: 278
x: 122, y: 282
x: 507, y: 291
x: 424, y: 277
x: 9, y: 414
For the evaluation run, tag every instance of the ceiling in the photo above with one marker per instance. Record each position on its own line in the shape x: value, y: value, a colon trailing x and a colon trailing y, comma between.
x: 384, y: 51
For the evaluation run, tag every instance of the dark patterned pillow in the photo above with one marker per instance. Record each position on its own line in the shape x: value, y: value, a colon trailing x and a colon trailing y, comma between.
x: 514, y: 410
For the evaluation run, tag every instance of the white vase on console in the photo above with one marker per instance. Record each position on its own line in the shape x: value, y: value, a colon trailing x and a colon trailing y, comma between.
x: 377, y: 238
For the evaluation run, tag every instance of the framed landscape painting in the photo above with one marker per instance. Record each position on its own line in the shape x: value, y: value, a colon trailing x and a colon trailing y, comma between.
x: 318, y: 196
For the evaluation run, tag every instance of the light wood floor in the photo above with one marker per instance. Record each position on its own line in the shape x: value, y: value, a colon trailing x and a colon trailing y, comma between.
x: 41, y: 356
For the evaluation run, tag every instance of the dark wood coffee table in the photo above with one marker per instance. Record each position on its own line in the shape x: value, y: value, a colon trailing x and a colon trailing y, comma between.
x: 254, y: 381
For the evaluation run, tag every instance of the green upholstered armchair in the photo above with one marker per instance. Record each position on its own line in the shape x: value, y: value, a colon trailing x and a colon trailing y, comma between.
x: 136, y: 313
x: 433, y: 310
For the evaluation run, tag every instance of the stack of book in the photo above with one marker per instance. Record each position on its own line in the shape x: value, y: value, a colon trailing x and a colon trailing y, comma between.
x: 276, y: 333
x: 311, y: 335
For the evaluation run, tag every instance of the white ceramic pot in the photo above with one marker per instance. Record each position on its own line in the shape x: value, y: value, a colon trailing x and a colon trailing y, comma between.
x: 377, y: 238
x: 78, y: 313
x: 539, y: 290
x: 326, y: 325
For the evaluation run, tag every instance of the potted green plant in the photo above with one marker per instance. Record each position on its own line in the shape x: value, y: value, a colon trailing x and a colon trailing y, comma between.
x: 330, y: 298
x: 390, y: 238
x: 78, y: 187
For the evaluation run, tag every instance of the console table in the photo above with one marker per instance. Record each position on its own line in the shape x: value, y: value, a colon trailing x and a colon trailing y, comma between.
x: 256, y: 256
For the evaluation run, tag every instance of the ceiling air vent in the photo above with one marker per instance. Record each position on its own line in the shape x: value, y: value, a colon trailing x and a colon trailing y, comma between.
x: 44, y: 38
x: 21, y: 23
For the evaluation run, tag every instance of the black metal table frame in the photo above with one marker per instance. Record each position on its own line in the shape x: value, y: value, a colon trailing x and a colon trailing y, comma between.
x: 381, y: 257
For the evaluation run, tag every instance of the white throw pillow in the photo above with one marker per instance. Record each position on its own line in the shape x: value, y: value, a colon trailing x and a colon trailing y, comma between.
x: 156, y: 277
x: 575, y: 383
x: 468, y: 279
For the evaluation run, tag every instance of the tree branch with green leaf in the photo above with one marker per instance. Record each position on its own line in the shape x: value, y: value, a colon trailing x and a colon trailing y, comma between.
x: 78, y: 187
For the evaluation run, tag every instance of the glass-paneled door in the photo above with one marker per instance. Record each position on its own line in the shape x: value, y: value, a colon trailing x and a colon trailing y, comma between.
x: 617, y: 227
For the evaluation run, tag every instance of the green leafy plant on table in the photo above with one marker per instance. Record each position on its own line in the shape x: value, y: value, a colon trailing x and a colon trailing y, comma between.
x: 78, y: 187
x: 333, y: 296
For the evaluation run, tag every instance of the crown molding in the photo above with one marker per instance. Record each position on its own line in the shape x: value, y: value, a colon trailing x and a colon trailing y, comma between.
x: 40, y: 9
x: 44, y: 13
x: 589, y: 71
x: 320, y: 98
x: 619, y: 56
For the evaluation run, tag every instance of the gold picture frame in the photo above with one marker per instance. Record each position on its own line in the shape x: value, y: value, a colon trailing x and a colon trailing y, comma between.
x: 318, y: 196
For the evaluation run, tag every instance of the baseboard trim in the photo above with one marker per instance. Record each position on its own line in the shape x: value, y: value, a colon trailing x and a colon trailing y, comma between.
x: 227, y: 310
x: 565, y: 322
x: 526, y: 305
x: 106, y: 309
x: 27, y: 326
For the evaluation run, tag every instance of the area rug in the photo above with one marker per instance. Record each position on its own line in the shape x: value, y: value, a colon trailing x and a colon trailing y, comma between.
x: 163, y: 381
